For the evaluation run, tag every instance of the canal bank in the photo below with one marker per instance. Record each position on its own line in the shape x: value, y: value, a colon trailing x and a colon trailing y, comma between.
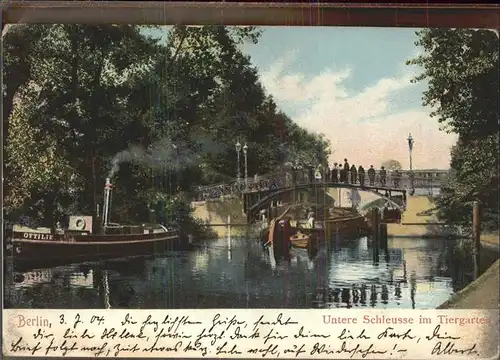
x: 480, y: 294
x: 419, y: 221
x: 217, y: 212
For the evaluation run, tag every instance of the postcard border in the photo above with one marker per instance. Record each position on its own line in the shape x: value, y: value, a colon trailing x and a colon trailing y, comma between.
x: 254, y: 13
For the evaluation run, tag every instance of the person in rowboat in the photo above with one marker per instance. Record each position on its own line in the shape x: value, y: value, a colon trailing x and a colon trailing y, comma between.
x: 310, y: 220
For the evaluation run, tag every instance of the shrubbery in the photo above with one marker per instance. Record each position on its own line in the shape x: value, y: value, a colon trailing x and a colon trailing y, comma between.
x: 178, y: 214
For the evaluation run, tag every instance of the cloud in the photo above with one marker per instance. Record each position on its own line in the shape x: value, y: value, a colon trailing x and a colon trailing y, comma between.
x: 295, y: 87
x: 362, y: 126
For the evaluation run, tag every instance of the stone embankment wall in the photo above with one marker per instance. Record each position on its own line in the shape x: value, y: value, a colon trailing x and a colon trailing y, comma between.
x: 418, y: 220
x: 215, y: 212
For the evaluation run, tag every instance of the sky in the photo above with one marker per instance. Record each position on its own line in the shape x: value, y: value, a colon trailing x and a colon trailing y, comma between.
x: 353, y: 85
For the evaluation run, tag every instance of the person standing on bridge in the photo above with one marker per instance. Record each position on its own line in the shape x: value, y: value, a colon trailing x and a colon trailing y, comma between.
x: 345, y: 174
x: 361, y: 175
x: 334, y: 173
x: 318, y: 176
x: 371, y: 175
x: 311, y: 173
x: 327, y: 173
x: 397, y: 177
x: 294, y: 175
x: 353, y: 174
x: 383, y: 176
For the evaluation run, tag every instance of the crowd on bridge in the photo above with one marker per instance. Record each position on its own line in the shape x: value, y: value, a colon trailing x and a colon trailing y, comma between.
x: 345, y: 173
x: 300, y: 174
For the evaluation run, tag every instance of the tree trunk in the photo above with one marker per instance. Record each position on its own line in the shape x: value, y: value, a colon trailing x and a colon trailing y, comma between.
x: 15, y: 82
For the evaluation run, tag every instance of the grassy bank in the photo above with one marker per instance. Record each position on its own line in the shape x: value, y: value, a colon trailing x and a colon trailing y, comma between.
x: 490, y: 239
x: 419, y: 221
x: 480, y: 294
x: 417, y: 212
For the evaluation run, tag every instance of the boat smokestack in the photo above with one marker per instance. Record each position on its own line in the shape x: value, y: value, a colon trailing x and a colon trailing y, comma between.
x: 105, y: 207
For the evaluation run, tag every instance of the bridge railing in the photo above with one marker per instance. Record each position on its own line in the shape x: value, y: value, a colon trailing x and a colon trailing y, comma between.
x: 403, y: 179
x: 269, y: 182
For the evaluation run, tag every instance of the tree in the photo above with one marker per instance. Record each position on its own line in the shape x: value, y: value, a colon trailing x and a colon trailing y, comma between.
x: 392, y: 165
x: 39, y: 176
x: 94, y: 97
x: 77, y: 94
x: 228, y: 103
x: 461, y: 68
x: 21, y: 47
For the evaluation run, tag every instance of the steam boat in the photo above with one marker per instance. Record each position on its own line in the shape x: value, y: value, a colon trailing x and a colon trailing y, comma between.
x: 87, y: 238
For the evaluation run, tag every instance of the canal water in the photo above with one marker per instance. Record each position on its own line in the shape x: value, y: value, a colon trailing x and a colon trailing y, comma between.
x: 413, y: 273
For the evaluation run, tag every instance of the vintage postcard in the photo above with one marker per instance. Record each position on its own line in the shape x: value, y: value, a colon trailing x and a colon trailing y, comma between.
x: 250, y: 191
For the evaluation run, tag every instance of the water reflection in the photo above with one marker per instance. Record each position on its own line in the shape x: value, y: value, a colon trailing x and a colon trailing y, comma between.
x: 412, y: 273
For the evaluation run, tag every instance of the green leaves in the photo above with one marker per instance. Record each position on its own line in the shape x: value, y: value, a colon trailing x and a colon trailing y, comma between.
x: 461, y: 68
x: 462, y: 71
x: 77, y: 95
x: 37, y: 170
x: 392, y: 165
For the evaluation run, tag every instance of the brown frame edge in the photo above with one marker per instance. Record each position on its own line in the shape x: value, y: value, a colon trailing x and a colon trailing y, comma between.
x: 252, y: 13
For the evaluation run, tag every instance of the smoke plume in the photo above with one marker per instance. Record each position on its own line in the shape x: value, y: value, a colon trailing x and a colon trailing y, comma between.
x: 165, y: 155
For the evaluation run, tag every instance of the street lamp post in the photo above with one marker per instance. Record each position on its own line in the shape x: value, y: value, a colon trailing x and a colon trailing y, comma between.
x: 238, y: 149
x: 410, y: 148
x: 245, y: 151
x: 282, y: 157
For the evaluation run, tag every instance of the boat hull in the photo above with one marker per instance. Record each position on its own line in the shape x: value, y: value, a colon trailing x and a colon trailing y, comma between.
x: 349, y: 228
x: 346, y: 228
x: 301, y: 242
x: 32, y: 253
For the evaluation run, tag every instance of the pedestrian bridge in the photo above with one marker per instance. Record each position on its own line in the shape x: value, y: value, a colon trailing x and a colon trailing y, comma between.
x: 255, y: 201
x: 409, y: 180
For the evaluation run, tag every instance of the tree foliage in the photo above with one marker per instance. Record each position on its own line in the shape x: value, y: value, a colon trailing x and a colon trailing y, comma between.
x: 39, y: 176
x: 461, y: 67
x: 78, y: 97
x: 392, y: 165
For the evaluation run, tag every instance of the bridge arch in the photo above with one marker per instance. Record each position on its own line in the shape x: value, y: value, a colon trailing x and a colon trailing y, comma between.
x: 253, y: 209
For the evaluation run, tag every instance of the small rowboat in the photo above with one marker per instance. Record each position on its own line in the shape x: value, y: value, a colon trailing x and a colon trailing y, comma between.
x: 300, y: 240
